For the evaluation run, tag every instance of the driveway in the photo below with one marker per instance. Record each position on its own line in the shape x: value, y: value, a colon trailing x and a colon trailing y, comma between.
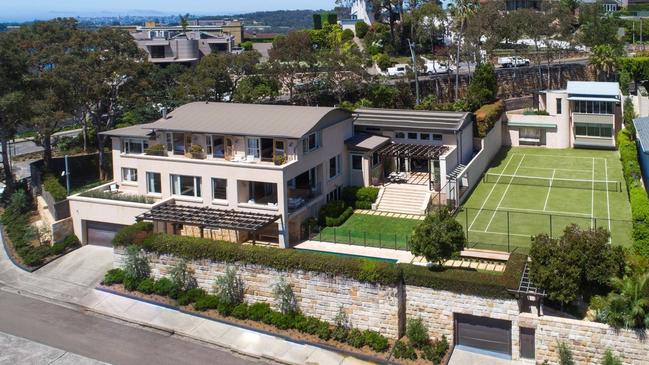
x: 466, y: 356
x: 85, y: 266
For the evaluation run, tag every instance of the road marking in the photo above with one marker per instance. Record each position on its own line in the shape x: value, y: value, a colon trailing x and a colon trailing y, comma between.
x: 504, y: 194
x: 490, y: 192
x: 547, y: 197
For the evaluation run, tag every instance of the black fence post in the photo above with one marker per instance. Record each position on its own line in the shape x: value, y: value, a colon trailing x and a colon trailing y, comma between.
x: 466, y: 222
x: 595, y: 222
x: 508, y: 232
x: 395, y: 241
x: 364, y: 238
x: 551, y: 235
x: 335, y: 235
x: 349, y: 237
x: 320, y: 233
x: 379, y: 239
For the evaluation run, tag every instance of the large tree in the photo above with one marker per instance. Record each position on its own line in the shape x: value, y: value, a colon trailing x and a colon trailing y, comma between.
x: 437, y: 237
x: 461, y: 11
x: 291, y: 58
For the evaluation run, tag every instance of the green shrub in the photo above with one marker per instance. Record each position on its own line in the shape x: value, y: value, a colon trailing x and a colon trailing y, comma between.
x: 355, y: 338
x: 487, y: 116
x: 308, y: 324
x: 404, y: 351
x: 361, y: 29
x: 281, y: 321
x: 435, y: 352
x: 333, y: 209
x: 114, y: 276
x: 136, y: 264
x: 133, y: 234
x: 284, y: 296
x: 360, y: 197
x: 207, y: 302
x: 224, y: 308
x: 258, y: 311
x: 130, y: 282
x: 340, y: 334
x: 34, y: 256
x: 363, y: 205
x: 164, y: 287
x: 240, y: 311
x: 375, y: 341
x: 417, y: 333
x: 323, y: 331
x: 52, y: 185
x: 182, y: 275
x: 229, y: 287
x: 69, y: 242
x: 565, y: 354
x: 146, y: 286
x: 367, y: 194
x: 337, y: 221
x: 191, y: 296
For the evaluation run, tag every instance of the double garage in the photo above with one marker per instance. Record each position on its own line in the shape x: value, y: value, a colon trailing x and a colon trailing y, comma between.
x: 483, y: 334
x: 100, y: 233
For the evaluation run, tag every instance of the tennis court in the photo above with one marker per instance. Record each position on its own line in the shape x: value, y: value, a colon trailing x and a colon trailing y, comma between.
x: 528, y: 191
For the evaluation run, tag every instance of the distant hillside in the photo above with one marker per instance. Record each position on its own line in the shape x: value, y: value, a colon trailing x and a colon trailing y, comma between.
x: 293, y: 19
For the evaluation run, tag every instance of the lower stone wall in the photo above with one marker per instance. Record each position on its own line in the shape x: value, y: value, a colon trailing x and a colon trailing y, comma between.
x: 437, y: 309
x: 368, y: 306
x: 587, y: 340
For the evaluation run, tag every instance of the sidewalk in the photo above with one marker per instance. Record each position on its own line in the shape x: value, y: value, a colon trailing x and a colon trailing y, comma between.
x: 18, y: 350
x: 73, y: 285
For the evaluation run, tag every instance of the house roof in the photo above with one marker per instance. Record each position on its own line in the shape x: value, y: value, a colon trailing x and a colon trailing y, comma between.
x: 250, y: 119
x: 411, y: 119
x: 642, y: 132
x: 593, y: 88
x: 139, y: 130
x: 366, y: 142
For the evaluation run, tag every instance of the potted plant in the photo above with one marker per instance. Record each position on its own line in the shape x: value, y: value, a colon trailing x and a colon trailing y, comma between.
x: 279, y: 159
x: 197, y: 151
x: 156, y: 150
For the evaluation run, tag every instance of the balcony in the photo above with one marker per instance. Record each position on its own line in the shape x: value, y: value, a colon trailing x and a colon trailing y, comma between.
x: 300, y: 197
x: 113, y: 192
x: 588, y: 118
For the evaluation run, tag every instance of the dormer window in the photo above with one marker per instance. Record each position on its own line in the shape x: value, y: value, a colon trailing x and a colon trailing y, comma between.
x: 134, y: 146
x: 312, y: 142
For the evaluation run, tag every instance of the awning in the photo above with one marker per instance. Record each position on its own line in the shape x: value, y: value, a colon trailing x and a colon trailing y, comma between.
x: 593, y: 98
x: 531, y: 125
x: 418, y: 151
x: 366, y: 142
x: 206, y: 217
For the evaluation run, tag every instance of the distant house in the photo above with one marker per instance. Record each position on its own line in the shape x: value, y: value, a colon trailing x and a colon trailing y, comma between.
x: 586, y: 114
x: 173, y: 44
x: 642, y: 138
x: 360, y: 11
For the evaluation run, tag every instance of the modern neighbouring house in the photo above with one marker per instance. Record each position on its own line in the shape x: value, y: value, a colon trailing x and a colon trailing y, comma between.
x: 642, y: 137
x: 587, y: 114
x: 250, y: 172
x: 173, y: 44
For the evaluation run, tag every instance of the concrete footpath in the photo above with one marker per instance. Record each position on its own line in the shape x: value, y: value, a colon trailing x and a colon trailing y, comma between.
x: 70, y: 281
x: 18, y: 350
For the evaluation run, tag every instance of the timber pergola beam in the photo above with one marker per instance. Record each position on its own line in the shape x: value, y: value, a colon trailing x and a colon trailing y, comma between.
x: 206, y: 217
x: 409, y: 150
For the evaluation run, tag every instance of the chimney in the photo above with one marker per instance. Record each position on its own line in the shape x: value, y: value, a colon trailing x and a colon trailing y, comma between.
x: 164, y: 112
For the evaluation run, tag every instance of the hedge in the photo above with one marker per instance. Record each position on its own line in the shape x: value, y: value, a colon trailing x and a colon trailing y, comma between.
x: 487, y: 116
x: 454, y: 280
x: 133, y: 234
x: 637, y: 194
x: 52, y: 185
x: 339, y: 220
x: 360, y: 197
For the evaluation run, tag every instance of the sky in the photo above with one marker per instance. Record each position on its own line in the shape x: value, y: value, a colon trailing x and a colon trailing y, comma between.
x: 23, y: 10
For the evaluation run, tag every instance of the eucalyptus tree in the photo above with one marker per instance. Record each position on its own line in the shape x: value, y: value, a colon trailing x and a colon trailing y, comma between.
x: 461, y: 11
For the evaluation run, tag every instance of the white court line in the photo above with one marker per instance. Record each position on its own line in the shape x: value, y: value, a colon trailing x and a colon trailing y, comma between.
x: 547, y: 197
x: 502, y: 233
x: 592, y: 197
x: 568, y: 214
x: 504, y: 194
x: 550, y: 168
x: 556, y: 156
x: 490, y: 192
x: 608, y: 206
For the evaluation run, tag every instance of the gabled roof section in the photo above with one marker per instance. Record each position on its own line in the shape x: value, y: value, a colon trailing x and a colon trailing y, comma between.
x: 366, y: 142
x: 139, y: 131
x: 411, y: 119
x: 250, y: 119
x: 593, y: 88
x: 642, y: 132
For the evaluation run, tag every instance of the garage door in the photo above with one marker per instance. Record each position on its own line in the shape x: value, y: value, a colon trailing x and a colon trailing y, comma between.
x: 100, y: 233
x: 483, y: 333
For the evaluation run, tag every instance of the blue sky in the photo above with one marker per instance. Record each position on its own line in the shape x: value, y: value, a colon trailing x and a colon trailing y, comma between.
x: 20, y: 10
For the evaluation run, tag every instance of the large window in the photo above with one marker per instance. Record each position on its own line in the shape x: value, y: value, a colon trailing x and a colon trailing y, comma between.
x: 129, y: 174
x: 253, y: 147
x: 312, y: 142
x: 157, y: 51
x: 186, y: 185
x: 176, y: 142
x: 593, y: 130
x: 219, y: 189
x: 135, y: 146
x: 215, y: 146
x: 357, y: 162
x: 262, y: 193
x: 153, y: 183
x: 530, y: 133
x: 558, y: 105
x: 593, y: 107
x: 334, y: 166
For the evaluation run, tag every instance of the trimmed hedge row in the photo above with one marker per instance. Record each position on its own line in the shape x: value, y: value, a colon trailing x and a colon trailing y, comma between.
x: 637, y: 195
x: 487, y: 116
x: 52, y: 185
x: 454, y: 280
x: 339, y: 220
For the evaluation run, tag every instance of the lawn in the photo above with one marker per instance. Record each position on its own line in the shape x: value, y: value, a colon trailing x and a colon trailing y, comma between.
x: 528, y: 191
x: 371, y: 230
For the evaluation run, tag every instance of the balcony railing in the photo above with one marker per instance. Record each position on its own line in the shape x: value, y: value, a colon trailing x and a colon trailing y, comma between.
x: 297, y: 198
x: 593, y: 118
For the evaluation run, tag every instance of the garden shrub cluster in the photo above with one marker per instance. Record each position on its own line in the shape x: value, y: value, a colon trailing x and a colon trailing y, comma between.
x: 454, y: 280
x: 339, y: 220
x: 334, y: 213
x: 418, y: 340
x: 637, y: 194
x: 52, y: 185
x: 360, y: 197
x: 15, y: 220
x: 487, y: 116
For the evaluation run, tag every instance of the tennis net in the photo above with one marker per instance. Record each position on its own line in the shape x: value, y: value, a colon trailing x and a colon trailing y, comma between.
x: 601, y: 185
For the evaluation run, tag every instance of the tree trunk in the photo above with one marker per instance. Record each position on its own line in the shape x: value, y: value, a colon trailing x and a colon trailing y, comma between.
x: 6, y: 164
x: 47, y: 151
x: 102, y: 157
x: 457, y: 69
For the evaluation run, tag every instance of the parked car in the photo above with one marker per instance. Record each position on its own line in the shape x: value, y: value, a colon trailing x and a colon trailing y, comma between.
x: 398, y: 70
x: 434, y: 67
x: 513, y: 61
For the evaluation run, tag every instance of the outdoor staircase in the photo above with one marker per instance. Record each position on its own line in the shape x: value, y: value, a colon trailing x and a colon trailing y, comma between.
x: 404, y: 199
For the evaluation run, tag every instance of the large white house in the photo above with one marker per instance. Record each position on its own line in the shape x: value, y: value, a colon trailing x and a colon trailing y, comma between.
x: 586, y: 114
x: 243, y: 172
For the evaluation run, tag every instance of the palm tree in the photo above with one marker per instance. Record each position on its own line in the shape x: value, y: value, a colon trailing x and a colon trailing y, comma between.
x: 628, y: 304
x: 184, y: 21
x: 461, y: 10
x: 603, y: 59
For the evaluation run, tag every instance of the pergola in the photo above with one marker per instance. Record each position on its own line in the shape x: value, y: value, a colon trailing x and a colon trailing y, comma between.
x: 414, y: 151
x: 206, y: 217
x: 527, y: 289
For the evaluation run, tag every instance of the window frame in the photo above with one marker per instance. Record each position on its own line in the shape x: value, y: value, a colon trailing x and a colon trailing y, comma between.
x: 351, y: 162
x: 559, y: 106
x: 317, y: 142
x: 336, y: 167
x: 176, y: 190
x: 131, y: 175
x: 214, y: 180
x: 149, y: 174
x: 257, y: 140
x: 127, y: 142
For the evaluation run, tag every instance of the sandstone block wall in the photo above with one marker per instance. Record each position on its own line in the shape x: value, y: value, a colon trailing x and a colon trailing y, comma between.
x: 368, y: 306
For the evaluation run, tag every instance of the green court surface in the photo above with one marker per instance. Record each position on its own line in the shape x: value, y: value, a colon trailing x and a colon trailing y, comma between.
x: 528, y: 191
x: 370, y: 230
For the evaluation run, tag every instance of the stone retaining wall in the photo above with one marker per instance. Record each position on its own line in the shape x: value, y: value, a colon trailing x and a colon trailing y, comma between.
x: 368, y: 306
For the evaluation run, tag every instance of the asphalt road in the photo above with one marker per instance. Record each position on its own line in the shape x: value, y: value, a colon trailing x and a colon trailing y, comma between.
x: 102, y: 339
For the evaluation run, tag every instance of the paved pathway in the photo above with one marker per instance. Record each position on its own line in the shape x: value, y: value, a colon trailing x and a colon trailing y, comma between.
x: 18, y: 350
x: 388, y: 214
x: 71, y: 280
x: 463, y: 356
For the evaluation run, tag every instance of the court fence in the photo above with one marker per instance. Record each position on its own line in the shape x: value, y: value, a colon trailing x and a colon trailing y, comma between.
x: 356, y: 237
x: 513, y: 231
